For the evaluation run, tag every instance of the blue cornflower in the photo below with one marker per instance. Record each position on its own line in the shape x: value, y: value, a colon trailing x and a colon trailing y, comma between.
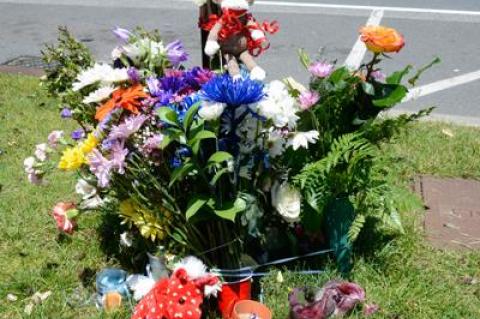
x: 224, y: 89
x: 176, y: 162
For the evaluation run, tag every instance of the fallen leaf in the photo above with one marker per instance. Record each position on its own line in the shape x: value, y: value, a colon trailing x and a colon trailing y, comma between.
x: 448, y: 132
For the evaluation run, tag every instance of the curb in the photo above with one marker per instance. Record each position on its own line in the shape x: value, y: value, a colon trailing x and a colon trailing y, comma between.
x: 37, y: 72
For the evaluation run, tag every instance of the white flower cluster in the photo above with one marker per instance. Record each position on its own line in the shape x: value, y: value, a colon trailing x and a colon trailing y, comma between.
x: 139, y: 49
x: 279, y: 106
x: 100, y: 73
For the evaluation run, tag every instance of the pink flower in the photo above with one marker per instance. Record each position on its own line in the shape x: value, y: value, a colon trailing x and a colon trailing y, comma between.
x: 54, y: 137
x: 60, y: 211
x: 41, y: 152
x: 321, y: 69
x: 370, y: 309
x: 378, y: 76
x: 308, y: 99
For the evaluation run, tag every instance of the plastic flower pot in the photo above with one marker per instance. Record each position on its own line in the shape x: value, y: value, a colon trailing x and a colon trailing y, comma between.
x: 233, y: 292
x: 249, y: 309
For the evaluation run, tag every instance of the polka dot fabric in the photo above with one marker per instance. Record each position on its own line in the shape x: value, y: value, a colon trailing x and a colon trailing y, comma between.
x: 174, y: 298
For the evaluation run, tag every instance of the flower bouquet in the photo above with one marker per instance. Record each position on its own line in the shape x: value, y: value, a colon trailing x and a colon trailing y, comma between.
x: 229, y: 169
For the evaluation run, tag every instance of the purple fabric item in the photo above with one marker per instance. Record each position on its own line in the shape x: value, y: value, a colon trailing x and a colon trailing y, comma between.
x: 335, y: 298
x: 101, y: 167
x: 176, y: 53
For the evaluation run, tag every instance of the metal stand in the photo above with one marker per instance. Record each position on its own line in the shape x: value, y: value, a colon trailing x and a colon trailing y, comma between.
x: 205, y: 11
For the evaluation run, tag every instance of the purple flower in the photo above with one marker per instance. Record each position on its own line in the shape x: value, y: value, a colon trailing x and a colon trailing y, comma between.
x: 101, y: 167
x: 379, y: 76
x: 153, y: 143
x: 133, y: 74
x: 176, y: 53
x: 118, y: 155
x: 308, y: 99
x: 153, y: 85
x: 131, y: 125
x: 66, y: 113
x: 122, y: 34
x: 321, y: 69
x: 78, y: 134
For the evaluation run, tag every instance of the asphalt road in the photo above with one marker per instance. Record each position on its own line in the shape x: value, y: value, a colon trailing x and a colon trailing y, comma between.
x: 445, y: 28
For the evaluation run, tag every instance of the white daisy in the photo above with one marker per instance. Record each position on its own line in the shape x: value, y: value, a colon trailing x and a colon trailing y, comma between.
x: 99, y: 95
x: 302, y: 139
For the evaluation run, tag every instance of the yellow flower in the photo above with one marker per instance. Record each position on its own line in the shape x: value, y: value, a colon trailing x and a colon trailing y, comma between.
x: 72, y: 158
x: 89, y: 144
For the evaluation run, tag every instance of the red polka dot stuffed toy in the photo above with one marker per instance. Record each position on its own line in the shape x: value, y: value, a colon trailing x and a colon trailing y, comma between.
x: 181, y: 295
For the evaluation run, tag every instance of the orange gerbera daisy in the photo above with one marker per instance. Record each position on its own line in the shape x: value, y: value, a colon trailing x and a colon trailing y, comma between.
x: 128, y: 98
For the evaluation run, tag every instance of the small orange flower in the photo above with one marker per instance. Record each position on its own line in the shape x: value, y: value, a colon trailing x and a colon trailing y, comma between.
x: 128, y: 98
x: 379, y: 39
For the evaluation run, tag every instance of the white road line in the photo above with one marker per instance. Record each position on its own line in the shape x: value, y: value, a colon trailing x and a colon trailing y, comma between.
x: 355, y: 57
x: 441, y: 85
x: 367, y: 8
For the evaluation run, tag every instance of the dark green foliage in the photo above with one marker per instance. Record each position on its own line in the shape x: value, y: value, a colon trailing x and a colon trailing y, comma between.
x: 65, y: 61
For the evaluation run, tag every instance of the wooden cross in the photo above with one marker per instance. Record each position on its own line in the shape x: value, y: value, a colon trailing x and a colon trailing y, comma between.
x: 205, y: 11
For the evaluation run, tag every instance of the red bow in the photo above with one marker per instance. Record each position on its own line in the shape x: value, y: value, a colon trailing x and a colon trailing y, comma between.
x: 231, y: 25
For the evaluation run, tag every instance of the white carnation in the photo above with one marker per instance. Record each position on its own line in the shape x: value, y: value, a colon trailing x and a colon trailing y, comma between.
x: 85, y: 189
x: 287, y: 201
x: 99, y: 95
x: 29, y: 164
x: 90, y: 76
x: 279, y: 106
x: 276, y: 143
x: 302, y: 139
x: 211, y: 110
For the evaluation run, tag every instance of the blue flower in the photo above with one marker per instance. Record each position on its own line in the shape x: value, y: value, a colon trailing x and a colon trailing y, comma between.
x: 224, y: 89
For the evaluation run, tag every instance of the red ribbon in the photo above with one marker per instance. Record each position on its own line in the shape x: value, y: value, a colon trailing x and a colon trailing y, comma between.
x: 231, y: 25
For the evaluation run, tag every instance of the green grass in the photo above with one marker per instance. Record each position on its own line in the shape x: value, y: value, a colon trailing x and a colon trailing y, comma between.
x: 406, y: 277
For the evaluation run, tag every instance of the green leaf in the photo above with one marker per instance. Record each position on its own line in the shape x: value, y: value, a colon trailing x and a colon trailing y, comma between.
x: 396, y: 77
x: 419, y: 73
x: 304, y: 58
x: 339, y: 75
x: 166, y: 141
x: 202, y: 135
x: 167, y: 115
x: 195, y: 205
x: 390, y: 95
x: 368, y: 88
x: 189, y: 116
x: 219, y: 157
x: 218, y: 175
x: 181, y: 172
x: 230, y: 210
